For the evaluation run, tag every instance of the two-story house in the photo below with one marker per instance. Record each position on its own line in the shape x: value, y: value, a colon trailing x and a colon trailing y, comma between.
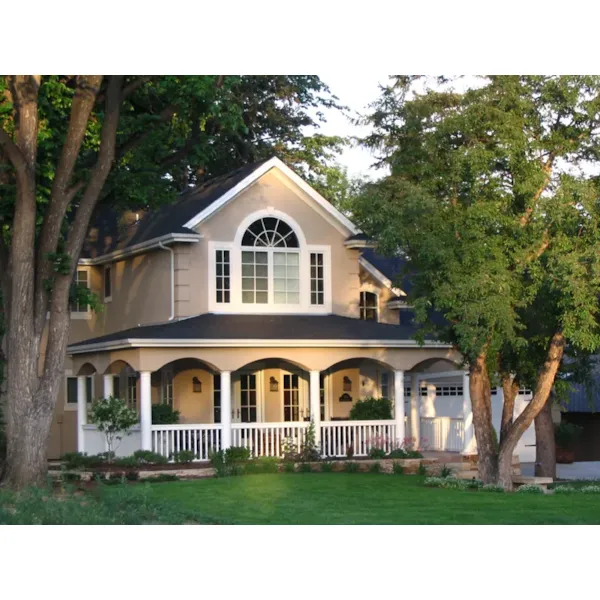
x: 252, y: 306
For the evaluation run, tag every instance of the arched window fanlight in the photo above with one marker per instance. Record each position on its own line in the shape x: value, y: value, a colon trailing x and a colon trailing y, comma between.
x: 270, y: 232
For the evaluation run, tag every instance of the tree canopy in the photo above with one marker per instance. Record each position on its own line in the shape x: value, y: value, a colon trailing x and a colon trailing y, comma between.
x: 494, y: 201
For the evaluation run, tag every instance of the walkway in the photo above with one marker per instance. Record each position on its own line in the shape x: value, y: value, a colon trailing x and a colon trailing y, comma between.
x: 578, y: 470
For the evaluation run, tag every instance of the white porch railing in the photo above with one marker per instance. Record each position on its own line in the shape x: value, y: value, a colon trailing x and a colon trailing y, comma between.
x: 199, y: 439
x: 443, y: 433
x: 267, y: 439
x: 337, y: 436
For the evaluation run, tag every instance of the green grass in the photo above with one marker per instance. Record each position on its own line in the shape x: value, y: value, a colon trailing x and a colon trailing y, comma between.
x: 365, y: 498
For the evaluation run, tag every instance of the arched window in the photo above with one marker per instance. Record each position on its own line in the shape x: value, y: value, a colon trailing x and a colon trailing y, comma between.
x: 368, y: 306
x: 270, y: 232
x: 270, y: 263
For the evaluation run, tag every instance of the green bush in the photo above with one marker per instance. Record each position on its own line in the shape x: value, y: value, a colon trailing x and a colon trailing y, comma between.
x: 69, y: 477
x: 147, y: 457
x: 132, y: 475
x: 376, y: 453
x: 375, y: 468
x: 289, y: 467
x: 422, y: 469
x: 445, y: 471
x: 126, y: 461
x: 351, y: 467
x: 397, y: 468
x: 530, y: 489
x: 309, y: 450
x: 75, y: 461
x: 371, y: 409
x: 305, y: 467
x: 492, y: 487
x: 163, y: 414
x: 326, y: 466
x: 264, y: 464
x: 566, y: 433
x: 237, y: 454
x: 114, y: 418
x: 162, y: 477
x: 183, y: 456
x: 404, y: 453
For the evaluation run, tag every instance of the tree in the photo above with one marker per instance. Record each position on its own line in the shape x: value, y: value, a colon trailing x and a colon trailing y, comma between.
x: 489, y: 202
x: 71, y: 143
x: 115, y: 419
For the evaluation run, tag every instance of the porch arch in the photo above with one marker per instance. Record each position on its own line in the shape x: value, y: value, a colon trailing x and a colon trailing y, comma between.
x: 86, y: 369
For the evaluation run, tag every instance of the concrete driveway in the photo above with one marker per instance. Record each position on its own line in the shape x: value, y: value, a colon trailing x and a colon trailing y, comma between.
x: 578, y: 470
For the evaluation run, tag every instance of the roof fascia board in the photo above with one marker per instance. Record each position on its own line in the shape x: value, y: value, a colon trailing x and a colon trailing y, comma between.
x: 379, y: 276
x: 359, y: 244
x: 257, y: 174
x: 169, y: 238
x: 250, y: 343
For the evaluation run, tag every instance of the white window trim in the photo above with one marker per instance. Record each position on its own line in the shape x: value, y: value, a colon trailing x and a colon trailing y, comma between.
x: 235, y: 256
x: 370, y: 290
x: 73, y: 406
x: 109, y: 269
x: 87, y: 315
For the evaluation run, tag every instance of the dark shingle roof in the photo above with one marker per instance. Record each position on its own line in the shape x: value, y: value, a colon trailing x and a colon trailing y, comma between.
x: 169, y: 218
x: 391, y: 267
x: 263, y: 327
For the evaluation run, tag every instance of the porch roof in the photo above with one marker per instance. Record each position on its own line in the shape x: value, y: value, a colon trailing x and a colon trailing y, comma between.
x: 214, y: 327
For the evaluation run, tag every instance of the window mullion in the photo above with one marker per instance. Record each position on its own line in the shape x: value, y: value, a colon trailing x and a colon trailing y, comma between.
x: 271, y: 271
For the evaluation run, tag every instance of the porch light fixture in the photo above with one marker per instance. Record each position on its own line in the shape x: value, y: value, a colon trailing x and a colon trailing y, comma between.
x: 273, y: 384
x: 347, y: 384
x: 197, y: 384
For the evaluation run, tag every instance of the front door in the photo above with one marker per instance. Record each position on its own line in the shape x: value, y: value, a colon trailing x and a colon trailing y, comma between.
x: 247, y: 411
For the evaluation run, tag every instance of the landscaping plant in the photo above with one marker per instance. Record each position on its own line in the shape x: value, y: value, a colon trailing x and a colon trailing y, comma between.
x: 114, y: 418
x: 164, y: 414
x: 371, y: 409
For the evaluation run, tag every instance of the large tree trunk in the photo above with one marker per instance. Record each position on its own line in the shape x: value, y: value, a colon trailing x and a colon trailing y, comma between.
x: 479, y: 387
x: 545, y: 448
x: 545, y: 381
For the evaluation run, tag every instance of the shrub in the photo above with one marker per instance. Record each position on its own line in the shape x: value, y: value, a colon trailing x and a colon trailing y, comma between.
x: 163, y: 414
x: 375, y: 468
x: 397, y: 468
x: 422, y: 469
x: 147, y: 457
x: 474, y: 484
x: 566, y: 433
x: 126, y: 461
x: 565, y: 489
x: 530, y: 488
x: 162, y: 477
x: 376, y: 453
x: 236, y: 454
x: 264, y: 464
x: 70, y: 477
x: 305, y: 467
x: 326, y: 466
x: 132, y: 475
x: 492, y: 487
x: 183, y: 456
x: 350, y: 451
x: 114, y: 418
x: 371, y: 409
x: 590, y: 489
x: 445, y: 471
x: 309, y: 450
x: 217, y: 461
x: 351, y: 467
x: 74, y: 460
x: 433, y: 482
x: 289, y: 467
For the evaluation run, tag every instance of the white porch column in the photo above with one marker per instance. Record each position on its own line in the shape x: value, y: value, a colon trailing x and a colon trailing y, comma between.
x: 415, y: 409
x: 469, y: 439
x: 108, y: 387
x: 226, y: 409
x: 399, y: 405
x: 315, y: 403
x: 81, y: 411
x: 146, y: 410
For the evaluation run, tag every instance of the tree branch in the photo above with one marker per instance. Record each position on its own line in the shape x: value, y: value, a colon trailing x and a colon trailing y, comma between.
x: 166, y: 114
x: 59, y: 301
x: 12, y: 151
x: 87, y: 88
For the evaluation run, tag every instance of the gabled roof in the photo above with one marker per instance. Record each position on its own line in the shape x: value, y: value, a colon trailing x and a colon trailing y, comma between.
x: 193, y: 207
x: 226, y: 330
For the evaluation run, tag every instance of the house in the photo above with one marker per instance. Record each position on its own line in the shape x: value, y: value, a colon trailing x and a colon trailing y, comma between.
x: 253, y: 306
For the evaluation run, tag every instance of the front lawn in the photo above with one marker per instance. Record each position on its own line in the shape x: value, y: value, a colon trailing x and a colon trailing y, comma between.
x: 362, y: 498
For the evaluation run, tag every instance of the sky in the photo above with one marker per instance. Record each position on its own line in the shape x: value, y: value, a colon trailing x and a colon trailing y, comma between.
x: 356, y: 91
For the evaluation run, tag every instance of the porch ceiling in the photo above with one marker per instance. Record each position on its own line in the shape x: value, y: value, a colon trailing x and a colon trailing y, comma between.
x: 212, y: 329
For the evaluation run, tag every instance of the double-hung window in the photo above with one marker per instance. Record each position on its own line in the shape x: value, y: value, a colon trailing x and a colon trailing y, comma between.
x: 73, y: 390
x: 81, y: 281
x: 384, y: 384
x: 270, y: 263
x: 223, y: 276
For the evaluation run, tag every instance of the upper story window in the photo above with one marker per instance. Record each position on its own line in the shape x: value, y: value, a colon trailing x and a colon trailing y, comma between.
x: 81, y: 281
x: 107, y: 283
x: 269, y: 267
x: 368, y: 306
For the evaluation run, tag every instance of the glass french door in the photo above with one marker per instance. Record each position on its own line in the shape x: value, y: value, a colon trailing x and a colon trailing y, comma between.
x: 248, y: 398
x: 291, y: 397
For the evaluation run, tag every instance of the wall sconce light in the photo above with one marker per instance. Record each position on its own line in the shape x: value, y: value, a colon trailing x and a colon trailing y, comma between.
x: 273, y: 384
x: 197, y: 384
x: 347, y: 384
